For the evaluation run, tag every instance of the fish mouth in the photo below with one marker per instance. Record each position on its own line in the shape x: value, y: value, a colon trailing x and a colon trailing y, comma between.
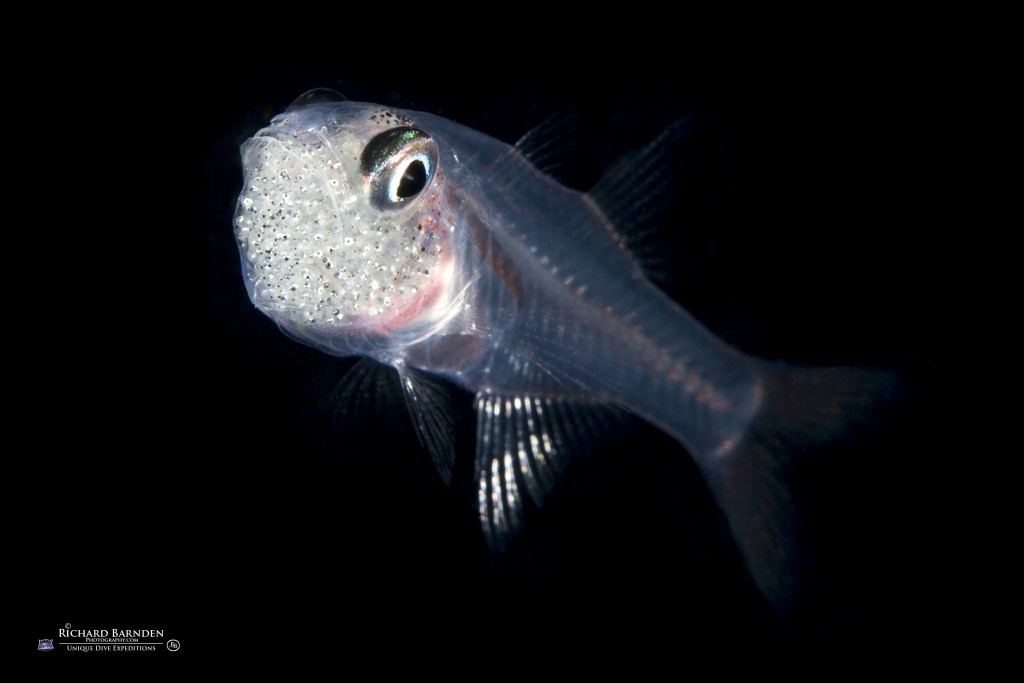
x: 302, y: 148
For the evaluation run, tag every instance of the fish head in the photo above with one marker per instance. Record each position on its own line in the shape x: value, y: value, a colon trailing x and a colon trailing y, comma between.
x: 344, y: 225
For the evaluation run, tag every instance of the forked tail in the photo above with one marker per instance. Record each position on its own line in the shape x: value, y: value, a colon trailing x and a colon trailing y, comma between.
x: 803, y: 410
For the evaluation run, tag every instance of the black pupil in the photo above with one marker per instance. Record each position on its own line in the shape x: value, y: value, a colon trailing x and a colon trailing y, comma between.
x: 413, y: 180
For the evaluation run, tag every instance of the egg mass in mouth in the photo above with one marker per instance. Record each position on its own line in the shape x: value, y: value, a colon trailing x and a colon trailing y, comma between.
x: 327, y: 228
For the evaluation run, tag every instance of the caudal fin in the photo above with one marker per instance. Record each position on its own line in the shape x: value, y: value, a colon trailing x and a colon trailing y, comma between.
x: 803, y: 410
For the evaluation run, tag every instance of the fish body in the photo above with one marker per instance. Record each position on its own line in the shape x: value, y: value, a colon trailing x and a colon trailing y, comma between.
x: 442, y: 252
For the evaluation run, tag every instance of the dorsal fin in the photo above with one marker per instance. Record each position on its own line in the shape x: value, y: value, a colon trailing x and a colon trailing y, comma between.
x: 550, y: 146
x: 524, y: 444
x: 636, y: 192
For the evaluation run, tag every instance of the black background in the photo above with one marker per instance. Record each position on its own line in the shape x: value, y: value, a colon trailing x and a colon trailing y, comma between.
x: 194, y: 478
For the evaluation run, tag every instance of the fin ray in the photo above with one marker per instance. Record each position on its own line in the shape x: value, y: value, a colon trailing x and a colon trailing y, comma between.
x: 524, y: 444
x: 430, y: 406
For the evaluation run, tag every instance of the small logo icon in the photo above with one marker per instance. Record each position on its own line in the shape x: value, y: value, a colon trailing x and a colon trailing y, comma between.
x: 172, y: 645
x: 45, y: 644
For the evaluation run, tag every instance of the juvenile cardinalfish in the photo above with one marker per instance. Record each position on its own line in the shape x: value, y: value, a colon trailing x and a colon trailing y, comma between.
x: 436, y: 250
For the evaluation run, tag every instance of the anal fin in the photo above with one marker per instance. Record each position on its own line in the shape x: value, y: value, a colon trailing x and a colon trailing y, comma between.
x: 524, y: 444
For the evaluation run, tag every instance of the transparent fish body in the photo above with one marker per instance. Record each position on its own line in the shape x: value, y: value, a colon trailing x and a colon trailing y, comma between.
x: 520, y: 290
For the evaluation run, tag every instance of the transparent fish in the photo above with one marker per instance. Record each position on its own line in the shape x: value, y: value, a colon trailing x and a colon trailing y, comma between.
x: 431, y: 248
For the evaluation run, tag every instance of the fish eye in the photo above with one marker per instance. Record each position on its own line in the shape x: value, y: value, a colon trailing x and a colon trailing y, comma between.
x: 398, y: 164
